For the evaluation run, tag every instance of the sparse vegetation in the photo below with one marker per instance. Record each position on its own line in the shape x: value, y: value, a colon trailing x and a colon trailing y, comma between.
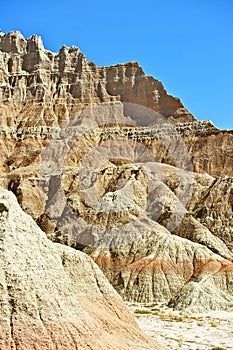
x: 195, y: 212
x: 142, y: 312
x: 174, y: 317
x: 198, y: 323
x: 213, y: 323
x: 163, y: 315
x: 191, y: 321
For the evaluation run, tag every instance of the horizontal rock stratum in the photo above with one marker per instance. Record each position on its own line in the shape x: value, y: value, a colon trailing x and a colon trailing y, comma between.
x: 106, y: 162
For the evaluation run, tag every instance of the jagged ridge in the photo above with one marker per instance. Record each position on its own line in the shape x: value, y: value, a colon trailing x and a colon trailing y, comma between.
x: 155, y: 225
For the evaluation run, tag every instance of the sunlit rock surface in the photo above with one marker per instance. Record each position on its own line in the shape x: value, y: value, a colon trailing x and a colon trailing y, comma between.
x: 107, y: 162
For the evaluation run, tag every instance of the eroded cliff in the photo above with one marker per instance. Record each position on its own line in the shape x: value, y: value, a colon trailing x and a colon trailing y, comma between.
x: 106, y: 161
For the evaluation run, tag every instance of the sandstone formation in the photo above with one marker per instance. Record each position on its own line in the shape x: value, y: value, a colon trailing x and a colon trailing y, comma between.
x: 58, y: 84
x: 107, y: 162
x: 55, y: 297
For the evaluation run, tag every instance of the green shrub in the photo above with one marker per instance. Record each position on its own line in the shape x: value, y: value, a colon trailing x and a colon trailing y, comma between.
x: 142, y: 312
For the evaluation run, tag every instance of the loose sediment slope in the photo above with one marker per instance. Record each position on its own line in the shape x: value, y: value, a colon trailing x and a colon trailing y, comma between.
x: 53, y: 296
x: 106, y: 161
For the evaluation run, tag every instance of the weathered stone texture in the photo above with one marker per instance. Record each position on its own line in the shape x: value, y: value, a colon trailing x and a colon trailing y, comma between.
x: 107, y: 162
x: 52, y: 296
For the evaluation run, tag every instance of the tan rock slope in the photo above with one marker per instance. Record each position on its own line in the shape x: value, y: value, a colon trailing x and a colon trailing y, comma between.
x: 107, y: 162
x: 53, y: 296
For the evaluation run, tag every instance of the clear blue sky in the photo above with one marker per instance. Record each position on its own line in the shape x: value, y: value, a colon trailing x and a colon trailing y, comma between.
x: 187, y: 44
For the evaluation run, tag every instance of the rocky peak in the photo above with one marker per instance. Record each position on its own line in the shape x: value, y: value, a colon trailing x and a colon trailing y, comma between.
x: 13, y: 42
x: 34, y: 44
x: 34, y: 74
x: 128, y: 181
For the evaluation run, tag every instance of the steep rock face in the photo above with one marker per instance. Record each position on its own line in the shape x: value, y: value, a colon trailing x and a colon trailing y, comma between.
x: 49, y: 87
x: 213, y: 208
x: 147, y: 243
x: 137, y: 229
x: 53, y: 296
x: 40, y: 89
x: 205, y: 292
x: 212, y: 153
x: 106, y: 162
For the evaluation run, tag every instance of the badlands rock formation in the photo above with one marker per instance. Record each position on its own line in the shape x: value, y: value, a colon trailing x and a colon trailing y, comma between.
x: 58, y: 84
x: 107, y: 162
x: 53, y: 296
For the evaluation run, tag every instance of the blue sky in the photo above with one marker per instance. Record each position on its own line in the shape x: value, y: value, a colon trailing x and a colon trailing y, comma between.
x: 188, y: 45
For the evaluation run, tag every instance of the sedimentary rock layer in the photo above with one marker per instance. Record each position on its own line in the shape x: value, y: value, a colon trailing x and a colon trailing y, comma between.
x: 107, y: 162
x: 53, y: 296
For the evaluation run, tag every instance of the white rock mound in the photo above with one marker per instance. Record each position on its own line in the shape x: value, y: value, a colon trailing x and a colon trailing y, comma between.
x: 53, y: 297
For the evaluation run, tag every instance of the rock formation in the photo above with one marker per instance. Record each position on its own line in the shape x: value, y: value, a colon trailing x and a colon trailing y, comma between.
x: 55, y: 297
x: 51, y: 86
x: 107, y: 162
